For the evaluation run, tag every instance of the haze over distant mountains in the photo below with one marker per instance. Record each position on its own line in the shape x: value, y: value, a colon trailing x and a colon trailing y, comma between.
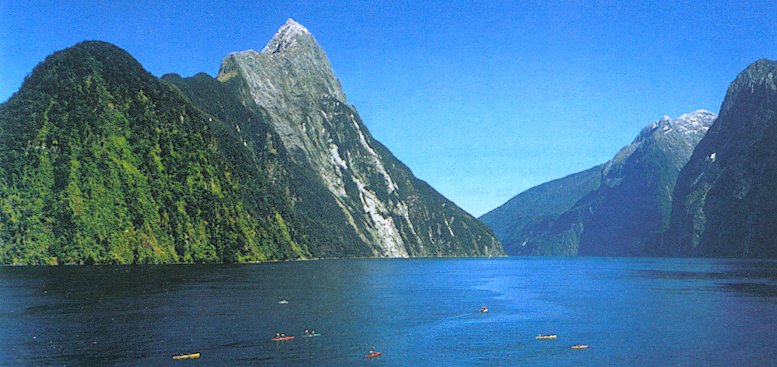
x: 616, y: 209
x: 103, y: 163
x: 655, y: 198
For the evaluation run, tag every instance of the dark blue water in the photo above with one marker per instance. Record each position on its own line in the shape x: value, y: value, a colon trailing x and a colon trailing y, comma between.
x: 651, y: 312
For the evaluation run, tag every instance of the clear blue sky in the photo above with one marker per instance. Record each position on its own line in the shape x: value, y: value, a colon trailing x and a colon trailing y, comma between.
x: 481, y: 99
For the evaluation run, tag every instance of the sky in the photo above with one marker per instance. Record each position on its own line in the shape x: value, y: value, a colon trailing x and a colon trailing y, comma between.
x: 481, y: 99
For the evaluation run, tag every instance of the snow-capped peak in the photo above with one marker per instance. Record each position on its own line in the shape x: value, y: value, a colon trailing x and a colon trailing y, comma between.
x: 688, y: 123
x: 285, y: 36
x: 699, y: 117
x: 693, y: 122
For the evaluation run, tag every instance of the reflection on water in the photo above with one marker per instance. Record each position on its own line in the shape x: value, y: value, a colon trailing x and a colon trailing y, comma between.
x: 417, y: 312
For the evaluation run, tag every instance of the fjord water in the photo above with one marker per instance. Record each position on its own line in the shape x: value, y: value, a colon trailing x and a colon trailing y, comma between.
x: 652, y: 312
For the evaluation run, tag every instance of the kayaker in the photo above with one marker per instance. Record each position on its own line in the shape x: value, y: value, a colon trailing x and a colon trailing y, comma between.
x: 307, y: 332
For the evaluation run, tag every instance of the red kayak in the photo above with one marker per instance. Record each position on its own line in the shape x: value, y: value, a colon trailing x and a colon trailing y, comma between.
x: 372, y: 355
x: 283, y: 338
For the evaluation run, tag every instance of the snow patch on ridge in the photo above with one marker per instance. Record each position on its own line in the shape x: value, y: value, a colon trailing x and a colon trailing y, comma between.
x: 697, y: 122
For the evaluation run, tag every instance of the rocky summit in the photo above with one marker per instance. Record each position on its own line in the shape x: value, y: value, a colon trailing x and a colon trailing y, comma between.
x: 101, y: 162
x: 375, y: 199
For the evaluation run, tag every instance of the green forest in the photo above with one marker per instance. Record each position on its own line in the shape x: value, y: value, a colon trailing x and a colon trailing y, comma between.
x: 101, y: 162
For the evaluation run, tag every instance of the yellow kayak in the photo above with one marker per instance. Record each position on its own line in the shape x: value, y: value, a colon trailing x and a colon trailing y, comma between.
x: 546, y: 336
x: 187, y: 356
x: 580, y: 346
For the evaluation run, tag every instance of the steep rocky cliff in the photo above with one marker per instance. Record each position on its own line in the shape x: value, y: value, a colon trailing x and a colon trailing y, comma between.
x: 726, y: 196
x: 101, y: 162
x: 341, y: 171
x: 631, y: 209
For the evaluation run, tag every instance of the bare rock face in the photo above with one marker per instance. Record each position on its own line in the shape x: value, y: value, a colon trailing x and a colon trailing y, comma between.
x: 290, y: 72
x: 725, y: 200
x: 103, y: 163
x: 376, y: 199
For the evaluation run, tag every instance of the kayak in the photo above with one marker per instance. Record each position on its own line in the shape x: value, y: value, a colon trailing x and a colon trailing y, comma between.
x: 283, y: 338
x: 187, y: 356
x: 311, y: 335
x: 372, y: 355
x: 580, y: 346
x: 546, y: 336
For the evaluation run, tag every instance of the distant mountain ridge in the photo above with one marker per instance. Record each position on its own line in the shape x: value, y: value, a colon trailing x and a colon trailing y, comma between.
x: 517, y: 221
x: 621, y: 214
x: 100, y: 162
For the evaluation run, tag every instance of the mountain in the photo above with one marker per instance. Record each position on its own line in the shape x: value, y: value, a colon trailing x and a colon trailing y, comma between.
x: 101, y: 162
x: 625, y: 213
x: 515, y: 221
x: 725, y: 202
x: 350, y: 182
